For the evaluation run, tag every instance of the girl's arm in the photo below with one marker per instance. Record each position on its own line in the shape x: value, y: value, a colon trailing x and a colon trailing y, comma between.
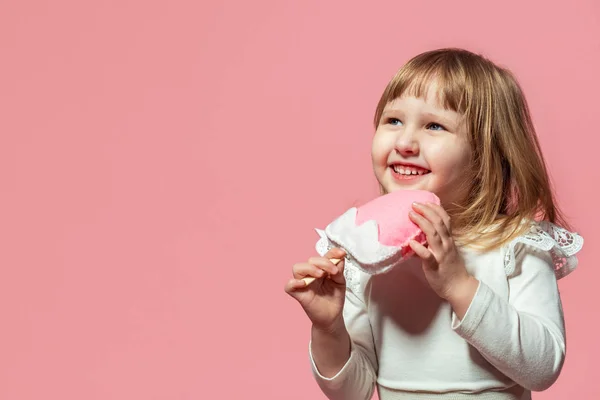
x: 344, y: 363
x: 523, y: 337
x: 330, y: 349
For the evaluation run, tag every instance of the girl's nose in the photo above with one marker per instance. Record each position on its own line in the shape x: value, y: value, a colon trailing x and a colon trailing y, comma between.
x: 407, y: 144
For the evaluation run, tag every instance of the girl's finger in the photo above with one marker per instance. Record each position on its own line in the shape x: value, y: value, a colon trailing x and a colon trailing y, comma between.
x: 324, y: 264
x: 443, y: 215
x: 335, y: 253
x: 434, y: 239
x: 303, y: 270
x: 339, y: 276
x: 434, y: 217
x: 294, y: 285
x: 424, y: 254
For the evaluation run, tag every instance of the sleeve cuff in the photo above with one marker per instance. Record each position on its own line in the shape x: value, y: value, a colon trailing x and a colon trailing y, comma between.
x: 480, y: 303
x: 341, y: 372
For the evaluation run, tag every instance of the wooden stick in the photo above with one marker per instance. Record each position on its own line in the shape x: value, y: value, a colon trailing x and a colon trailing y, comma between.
x: 310, y: 279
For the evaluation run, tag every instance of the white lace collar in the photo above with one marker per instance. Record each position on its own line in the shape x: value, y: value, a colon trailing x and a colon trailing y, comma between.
x: 562, y: 245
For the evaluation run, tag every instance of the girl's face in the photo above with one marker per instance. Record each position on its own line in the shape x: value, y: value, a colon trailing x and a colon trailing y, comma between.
x: 420, y: 145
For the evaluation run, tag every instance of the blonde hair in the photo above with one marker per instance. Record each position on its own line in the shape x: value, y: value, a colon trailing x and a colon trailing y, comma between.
x: 509, y: 179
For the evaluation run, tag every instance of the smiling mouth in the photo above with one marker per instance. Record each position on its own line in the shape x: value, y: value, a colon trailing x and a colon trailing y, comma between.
x: 407, y: 171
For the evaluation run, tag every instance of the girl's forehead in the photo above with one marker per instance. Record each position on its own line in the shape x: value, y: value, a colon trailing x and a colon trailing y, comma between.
x: 431, y: 102
x: 430, y: 92
x: 438, y: 92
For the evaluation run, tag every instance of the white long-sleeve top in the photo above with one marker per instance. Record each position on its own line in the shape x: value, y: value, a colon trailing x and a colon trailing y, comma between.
x: 407, y: 343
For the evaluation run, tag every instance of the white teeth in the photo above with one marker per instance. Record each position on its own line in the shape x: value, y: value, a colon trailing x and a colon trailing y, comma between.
x: 408, y: 171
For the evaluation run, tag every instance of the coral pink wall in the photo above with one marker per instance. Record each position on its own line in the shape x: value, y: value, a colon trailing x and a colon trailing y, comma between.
x: 163, y: 164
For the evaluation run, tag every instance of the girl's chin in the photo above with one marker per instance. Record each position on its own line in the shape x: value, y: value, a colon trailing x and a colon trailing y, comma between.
x: 395, y: 182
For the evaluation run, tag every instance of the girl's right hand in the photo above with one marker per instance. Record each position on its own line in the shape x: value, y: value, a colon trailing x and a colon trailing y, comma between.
x: 323, y: 299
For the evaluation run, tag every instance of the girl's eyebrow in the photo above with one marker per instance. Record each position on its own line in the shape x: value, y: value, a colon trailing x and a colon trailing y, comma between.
x: 441, y: 118
x: 434, y: 116
x: 446, y: 121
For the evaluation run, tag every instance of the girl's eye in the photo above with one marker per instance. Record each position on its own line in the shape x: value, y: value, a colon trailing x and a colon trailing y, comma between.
x: 436, y: 127
x: 394, y: 121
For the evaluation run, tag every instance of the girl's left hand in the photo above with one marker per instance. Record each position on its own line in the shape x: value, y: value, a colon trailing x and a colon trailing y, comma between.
x: 443, y: 265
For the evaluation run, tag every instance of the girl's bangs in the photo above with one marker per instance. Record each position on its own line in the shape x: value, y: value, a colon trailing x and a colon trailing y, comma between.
x: 416, y: 80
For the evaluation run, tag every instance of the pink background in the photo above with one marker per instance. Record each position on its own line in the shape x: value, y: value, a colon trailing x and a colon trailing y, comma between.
x: 163, y: 165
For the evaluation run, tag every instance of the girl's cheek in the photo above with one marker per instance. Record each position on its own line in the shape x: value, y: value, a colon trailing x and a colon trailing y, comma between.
x: 382, y: 141
x: 377, y: 145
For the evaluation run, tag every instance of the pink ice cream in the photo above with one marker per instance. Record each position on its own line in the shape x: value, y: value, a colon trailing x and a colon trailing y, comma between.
x: 376, y: 235
x: 391, y: 213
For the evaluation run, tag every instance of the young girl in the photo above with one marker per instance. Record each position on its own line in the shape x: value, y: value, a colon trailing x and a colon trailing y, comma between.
x: 477, y: 312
